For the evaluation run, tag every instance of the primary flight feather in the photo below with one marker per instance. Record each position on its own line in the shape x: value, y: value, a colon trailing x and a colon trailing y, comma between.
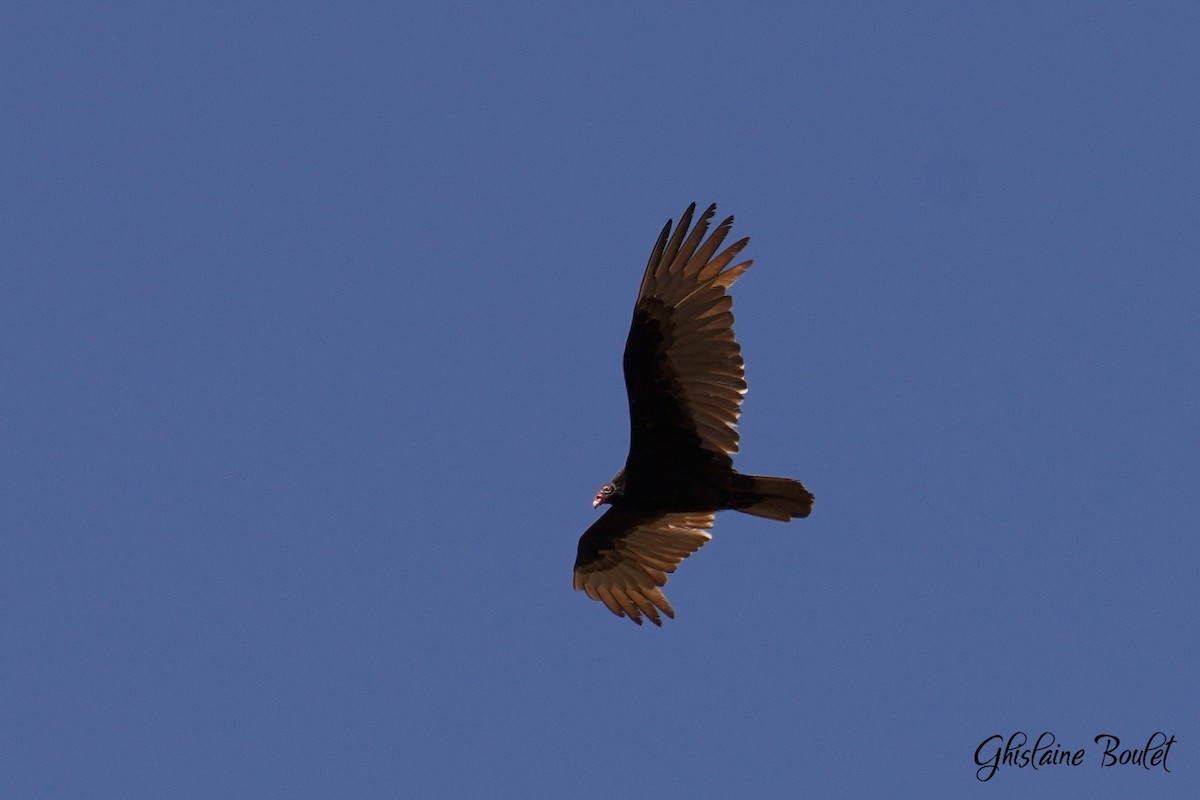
x: 685, y: 380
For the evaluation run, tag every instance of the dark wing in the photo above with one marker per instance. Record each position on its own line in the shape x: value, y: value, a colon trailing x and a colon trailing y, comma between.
x: 625, y: 556
x: 683, y: 368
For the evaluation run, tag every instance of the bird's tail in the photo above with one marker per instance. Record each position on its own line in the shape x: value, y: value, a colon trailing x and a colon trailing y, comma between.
x: 774, y: 498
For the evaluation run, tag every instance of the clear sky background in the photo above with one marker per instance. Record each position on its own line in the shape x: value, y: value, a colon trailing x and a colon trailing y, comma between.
x: 310, y: 327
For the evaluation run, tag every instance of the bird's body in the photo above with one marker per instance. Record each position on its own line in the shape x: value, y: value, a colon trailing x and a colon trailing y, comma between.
x: 684, y: 377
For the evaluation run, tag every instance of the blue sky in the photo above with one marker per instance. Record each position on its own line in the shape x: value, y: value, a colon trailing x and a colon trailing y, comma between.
x: 310, y: 332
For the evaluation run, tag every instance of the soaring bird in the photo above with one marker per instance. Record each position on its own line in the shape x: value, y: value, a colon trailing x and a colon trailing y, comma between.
x: 685, y: 379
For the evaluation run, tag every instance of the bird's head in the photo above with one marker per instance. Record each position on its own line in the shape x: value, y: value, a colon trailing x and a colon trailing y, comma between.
x: 610, y: 490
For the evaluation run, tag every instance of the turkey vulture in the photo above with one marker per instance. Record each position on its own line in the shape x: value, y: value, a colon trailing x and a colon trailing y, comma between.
x: 685, y: 380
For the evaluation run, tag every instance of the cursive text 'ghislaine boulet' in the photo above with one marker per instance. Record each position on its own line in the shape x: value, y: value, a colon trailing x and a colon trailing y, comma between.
x: 995, y: 752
